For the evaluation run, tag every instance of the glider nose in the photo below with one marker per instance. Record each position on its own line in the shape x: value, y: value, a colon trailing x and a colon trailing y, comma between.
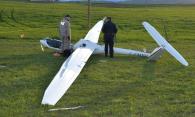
x: 43, y: 42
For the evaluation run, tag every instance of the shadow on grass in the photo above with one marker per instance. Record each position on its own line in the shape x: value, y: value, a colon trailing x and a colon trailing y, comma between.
x: 117, y: 95
x: 21, y: 23
x: 148, y: 72
x: 5, y: 17
x: 117, y: 58
x: 121, y: 89
x: 24, y: 94
x: 23, y: 64
x: 25, y: 81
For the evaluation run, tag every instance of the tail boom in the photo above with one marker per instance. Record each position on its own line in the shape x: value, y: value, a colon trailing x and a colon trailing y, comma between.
x: 100, y: 50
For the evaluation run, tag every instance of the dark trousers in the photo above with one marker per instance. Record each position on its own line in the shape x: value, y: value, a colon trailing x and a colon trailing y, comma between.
x: 67, y: 52
x: 109, y: 44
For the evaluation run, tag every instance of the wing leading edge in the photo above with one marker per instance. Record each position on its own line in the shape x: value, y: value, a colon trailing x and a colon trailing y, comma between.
x: 94, y: 33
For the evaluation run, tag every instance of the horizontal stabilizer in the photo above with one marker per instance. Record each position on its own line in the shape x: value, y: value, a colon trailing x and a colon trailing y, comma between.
x: 163, y: 43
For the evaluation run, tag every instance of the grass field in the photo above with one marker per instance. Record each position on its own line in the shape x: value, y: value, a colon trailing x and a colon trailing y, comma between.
x: 123, y: 86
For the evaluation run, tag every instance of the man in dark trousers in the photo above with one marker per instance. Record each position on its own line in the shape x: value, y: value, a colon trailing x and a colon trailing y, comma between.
x: 65, y: 35
x: 109, y: 29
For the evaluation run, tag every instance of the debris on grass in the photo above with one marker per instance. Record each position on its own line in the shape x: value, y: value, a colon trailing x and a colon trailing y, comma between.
x: 2, y: 66
x: 22, y: 36
x: 69, y: 108
x: 103, y: 61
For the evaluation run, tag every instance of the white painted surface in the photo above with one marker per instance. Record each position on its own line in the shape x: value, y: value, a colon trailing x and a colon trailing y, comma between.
x: 72, y: 67
x: 94, y: 33
x: 100, y: 50
x: 163, y: 43
x: 66, y: 75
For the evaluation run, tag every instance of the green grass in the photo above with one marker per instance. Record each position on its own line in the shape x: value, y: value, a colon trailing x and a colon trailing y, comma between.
x: 123, y: 86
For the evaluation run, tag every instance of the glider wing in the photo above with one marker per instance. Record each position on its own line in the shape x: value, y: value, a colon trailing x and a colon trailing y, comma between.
x: 72, y: 67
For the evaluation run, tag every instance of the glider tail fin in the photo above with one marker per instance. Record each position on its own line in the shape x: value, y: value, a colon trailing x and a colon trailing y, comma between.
x: 156, y: 54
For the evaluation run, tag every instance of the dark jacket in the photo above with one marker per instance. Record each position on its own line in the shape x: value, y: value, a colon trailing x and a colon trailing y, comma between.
x: 109, y: 29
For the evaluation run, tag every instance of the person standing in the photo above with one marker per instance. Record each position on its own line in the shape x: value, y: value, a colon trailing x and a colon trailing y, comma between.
x: 109, y: 29
x: 65, y: 35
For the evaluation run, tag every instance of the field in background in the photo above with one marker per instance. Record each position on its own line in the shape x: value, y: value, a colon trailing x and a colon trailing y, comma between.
x: 123, y: 86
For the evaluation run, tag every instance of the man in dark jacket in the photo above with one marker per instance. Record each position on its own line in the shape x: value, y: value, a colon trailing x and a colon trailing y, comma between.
x: 109, y: 29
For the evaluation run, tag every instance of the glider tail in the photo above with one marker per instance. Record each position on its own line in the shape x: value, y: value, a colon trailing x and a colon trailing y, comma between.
x: 156, y: 54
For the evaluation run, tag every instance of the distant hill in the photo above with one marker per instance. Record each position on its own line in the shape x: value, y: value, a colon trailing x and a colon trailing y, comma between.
x: 161, y: 1
x: 141, y: 1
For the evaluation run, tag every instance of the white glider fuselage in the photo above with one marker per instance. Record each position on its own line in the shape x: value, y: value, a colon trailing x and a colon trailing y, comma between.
x: 99, y: 49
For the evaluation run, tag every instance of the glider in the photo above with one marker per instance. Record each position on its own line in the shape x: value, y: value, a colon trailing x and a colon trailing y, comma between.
x: 84, y: 48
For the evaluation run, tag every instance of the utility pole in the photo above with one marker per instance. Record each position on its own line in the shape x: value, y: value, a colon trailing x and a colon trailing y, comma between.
x: 146, y: 3
x: 1, y: 16
x: 89, y: 15
x: 165, y: 29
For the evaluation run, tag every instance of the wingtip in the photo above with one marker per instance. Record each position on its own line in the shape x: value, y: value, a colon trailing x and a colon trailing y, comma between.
x: 144, y: 23
x: 46, y: 103
x: 104, y: 18
x: 186, y: 64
